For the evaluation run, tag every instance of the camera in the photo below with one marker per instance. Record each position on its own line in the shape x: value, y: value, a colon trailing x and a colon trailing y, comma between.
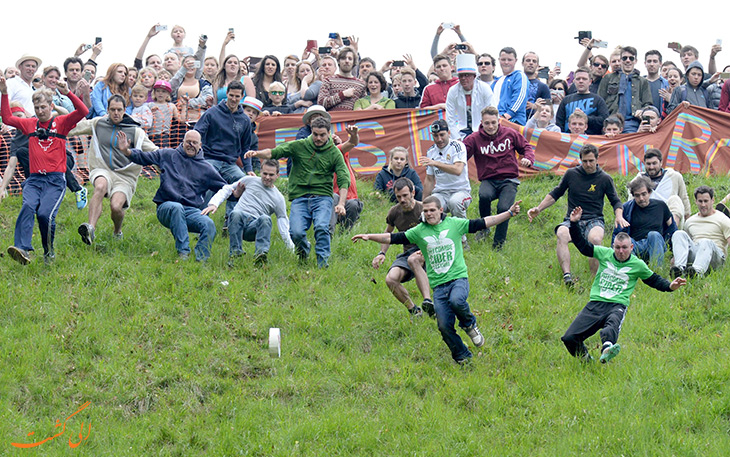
x: 41, y: 133
x: 460, y: 47
x: 584, y: 34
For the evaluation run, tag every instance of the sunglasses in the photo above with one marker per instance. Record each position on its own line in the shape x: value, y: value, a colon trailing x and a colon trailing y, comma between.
x: 600, y: 65
x: 36, y: 80
x: 276, y: 92
x: 485, y: 63
x: 629, y: 58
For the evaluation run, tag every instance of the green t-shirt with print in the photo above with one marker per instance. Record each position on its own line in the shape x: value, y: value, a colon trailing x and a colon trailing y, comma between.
x: 441, y: 247
x: 615, y: 281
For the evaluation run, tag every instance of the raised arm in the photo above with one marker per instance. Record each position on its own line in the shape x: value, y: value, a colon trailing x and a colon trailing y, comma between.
x: 140, y: 54
x: 584, y: 246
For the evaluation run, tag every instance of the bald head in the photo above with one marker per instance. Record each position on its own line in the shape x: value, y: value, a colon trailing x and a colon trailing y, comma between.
x: 192, y: 143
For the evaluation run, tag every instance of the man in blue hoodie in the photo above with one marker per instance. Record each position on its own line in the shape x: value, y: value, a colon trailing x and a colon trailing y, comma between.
x: 185, y: 178
x: 226, y: 134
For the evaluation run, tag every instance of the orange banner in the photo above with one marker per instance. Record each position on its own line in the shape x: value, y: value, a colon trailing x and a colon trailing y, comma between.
x: 694, y: 141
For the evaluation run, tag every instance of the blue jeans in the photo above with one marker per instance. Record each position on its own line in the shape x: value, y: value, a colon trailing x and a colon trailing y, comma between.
x: 651, y: 249
x: 242, y: 226
x: 231, y: 173
x: 308, y: 210
x: 42, y: 195
x: 449, y: 301
x: 182, y: 219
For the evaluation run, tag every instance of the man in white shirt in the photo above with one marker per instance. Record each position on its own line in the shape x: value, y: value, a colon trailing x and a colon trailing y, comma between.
x: 704, y: 240
x: 466, y: 100
x: 20, y: 88
x: 447, y: 173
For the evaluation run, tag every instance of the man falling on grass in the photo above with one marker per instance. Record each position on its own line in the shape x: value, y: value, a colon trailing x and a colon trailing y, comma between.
x: 439, y: 239
x: 615, y: 281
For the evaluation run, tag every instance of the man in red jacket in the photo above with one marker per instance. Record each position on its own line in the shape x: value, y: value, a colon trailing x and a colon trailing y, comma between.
x: 493, y: 147
x: 44, y: 189
x: 434, y: 95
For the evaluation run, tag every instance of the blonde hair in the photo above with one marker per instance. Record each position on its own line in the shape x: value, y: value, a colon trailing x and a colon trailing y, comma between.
x: 393, y: 151
x: 276, y: 85
x: 139, y: 89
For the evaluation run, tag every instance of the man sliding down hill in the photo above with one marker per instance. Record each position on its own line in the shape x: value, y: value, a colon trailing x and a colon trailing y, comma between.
x: 439, y: 239
x: 615, y: 281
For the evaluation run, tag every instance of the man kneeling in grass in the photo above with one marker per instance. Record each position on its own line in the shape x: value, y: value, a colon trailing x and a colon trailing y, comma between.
x: 615, y: 281
x: 439, y: 239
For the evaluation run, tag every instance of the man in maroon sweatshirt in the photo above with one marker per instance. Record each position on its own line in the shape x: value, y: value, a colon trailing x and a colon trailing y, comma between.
x: 493, y: 147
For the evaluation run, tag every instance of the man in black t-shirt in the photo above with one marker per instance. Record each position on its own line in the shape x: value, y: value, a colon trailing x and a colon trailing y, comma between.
x: 403, y: 216
x: 652, y: 224
x: 586, y: 185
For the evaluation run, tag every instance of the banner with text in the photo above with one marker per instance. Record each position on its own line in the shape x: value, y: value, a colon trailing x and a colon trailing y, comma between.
x: 695, y: 141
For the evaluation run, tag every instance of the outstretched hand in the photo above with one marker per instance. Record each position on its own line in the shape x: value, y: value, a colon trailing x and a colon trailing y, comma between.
x: 360, y: 236
x: 515, y: 208
x: 677, y: 283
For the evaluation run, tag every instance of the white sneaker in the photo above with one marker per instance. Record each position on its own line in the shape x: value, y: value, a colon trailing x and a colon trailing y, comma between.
x: 476, y: 336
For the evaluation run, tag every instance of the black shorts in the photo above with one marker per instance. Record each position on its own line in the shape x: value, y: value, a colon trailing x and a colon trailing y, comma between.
x: 402, y: 262
x: 585, y: 226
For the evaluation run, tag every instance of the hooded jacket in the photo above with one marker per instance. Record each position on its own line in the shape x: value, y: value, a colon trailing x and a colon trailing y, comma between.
x: 494, y: 155
x: 184, y: 179
x: 404, y: 101
x: 385, y: 180
x: 695, y: 95
x: 104, y: 152
x: 313, y: 167
x: 226, y: 136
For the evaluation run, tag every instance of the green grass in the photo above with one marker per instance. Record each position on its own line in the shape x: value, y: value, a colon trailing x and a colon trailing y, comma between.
x: 175, y: 364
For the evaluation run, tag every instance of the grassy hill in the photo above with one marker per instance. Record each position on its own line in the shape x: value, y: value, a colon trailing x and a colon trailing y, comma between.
x: 174, y: 362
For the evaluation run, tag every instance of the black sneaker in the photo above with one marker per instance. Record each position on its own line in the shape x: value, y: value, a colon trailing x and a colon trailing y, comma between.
x: 49, y: 257
x: 676, y: 272
x: 87, y: 233
x: 569, y: 280
x: 19, y: 255
x: 301, y: 255
x: 416, y: 311
x: 692, y: 273
x: 260, y: 259
x: 427, y: 306
x: 481, y: 235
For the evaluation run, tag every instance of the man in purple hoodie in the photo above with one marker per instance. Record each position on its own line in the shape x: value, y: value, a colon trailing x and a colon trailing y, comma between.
x: 493, y: 147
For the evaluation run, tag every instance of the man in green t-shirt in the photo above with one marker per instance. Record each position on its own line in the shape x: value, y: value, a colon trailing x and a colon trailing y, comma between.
x: 618, y: 271
x: 439, y: 239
